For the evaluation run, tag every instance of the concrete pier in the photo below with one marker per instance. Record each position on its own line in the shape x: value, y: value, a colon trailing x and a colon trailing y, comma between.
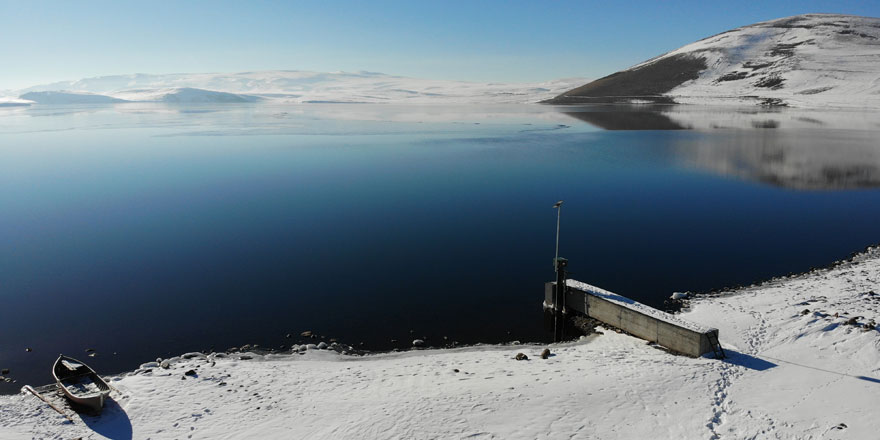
x: 646, y: 322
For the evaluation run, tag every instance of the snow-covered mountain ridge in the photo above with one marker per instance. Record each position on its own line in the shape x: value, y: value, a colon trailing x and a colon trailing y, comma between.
x: 291, y: 86
x: 811, y: 60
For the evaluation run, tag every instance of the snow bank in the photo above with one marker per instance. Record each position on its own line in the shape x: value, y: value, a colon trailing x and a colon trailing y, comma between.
x: 65, y: 97
x: 802, y: 363
x: 6, y: 101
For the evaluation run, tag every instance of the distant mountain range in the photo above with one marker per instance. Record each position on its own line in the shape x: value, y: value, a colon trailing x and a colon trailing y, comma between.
x: 812, y: 60
x: 290, y: 86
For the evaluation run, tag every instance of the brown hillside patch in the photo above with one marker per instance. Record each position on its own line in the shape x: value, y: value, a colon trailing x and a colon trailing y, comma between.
x: 649, y: 81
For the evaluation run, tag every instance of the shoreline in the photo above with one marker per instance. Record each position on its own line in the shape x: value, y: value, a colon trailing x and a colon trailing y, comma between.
x: 802, y: 362
x: 677, y: 307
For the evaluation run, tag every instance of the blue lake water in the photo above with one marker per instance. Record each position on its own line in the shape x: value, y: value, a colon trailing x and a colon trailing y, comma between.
x: 144, y: 231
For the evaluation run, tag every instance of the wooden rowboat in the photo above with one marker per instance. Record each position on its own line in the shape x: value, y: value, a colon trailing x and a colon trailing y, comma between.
x: 80, y: 383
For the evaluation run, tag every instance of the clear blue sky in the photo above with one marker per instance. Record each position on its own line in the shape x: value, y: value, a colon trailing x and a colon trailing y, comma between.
x: 44, y: 41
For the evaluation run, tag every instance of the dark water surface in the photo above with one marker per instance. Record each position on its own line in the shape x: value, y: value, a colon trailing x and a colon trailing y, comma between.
x: 153, y: 230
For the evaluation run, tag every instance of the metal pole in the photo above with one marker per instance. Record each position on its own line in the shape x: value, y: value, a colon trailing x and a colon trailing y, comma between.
x: 559, y: 331
x: 558, y: 216
x: 558, y: 206
x: 559, y: 290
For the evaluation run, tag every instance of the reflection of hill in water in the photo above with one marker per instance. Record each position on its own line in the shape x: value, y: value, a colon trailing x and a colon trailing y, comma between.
x: 797, y: 149
x: 810, y: 160
x: 627, y: 120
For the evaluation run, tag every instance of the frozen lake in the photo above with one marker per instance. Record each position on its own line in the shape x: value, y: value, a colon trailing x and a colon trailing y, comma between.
x: 145, y: 230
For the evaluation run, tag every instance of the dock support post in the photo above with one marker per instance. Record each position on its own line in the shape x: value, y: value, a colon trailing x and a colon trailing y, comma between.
x: 559, y: 299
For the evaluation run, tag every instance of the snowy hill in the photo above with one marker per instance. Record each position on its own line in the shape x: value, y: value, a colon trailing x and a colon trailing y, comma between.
x: 183, y: 95
x: 811, y: 60
x: 293, y: 86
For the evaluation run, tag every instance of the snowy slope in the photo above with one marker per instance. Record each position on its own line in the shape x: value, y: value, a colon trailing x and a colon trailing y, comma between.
x: 812, y: 60
x: 803, y: 362
x: 311, y: 87
x: 815, y: 355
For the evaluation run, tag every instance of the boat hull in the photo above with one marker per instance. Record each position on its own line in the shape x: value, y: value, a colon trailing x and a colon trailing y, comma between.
x: 80, y: 384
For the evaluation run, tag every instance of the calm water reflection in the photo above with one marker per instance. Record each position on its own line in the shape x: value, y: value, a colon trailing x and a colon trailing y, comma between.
x: 148, y: 230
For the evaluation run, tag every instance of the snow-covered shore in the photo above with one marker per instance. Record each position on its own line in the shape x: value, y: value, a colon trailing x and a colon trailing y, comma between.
x: 803, y: 363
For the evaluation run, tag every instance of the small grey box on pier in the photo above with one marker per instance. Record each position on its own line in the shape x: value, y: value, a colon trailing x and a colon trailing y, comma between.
x: 646, y: 322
